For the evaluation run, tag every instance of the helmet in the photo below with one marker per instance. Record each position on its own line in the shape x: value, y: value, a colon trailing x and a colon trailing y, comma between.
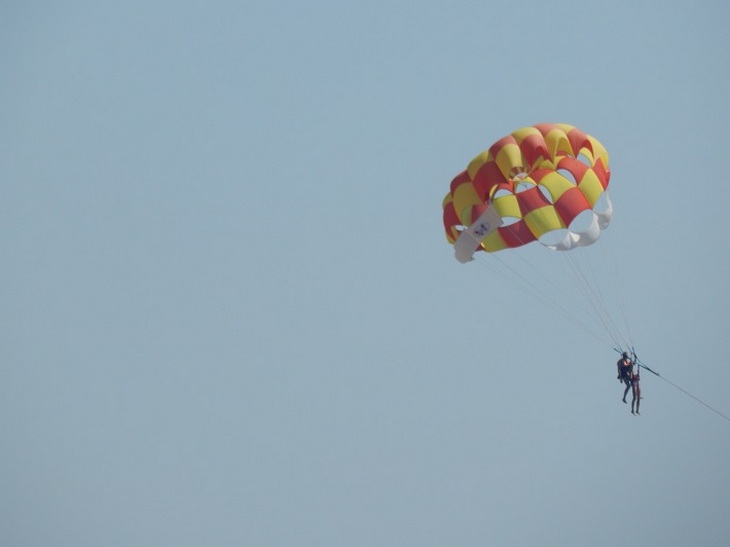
x: 624, y: 354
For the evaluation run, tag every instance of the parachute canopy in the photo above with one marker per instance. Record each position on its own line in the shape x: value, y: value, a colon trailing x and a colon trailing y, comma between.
x: 545, y: 183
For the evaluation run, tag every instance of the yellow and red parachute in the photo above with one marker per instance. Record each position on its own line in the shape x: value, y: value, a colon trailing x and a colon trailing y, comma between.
x: 546, y: 183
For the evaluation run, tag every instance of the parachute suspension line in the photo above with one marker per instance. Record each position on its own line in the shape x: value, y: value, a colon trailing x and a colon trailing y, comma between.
x: 592, y: 284
x: 519, y: 280
x: 530, y: 289
x: 484, y: 261
x: 589, y: 290
x: 601, y: 317
x: 594, y: 298
x: 609, y: 258
x: 565, y: 311
x: 514, y: 277
x: 588, y: 294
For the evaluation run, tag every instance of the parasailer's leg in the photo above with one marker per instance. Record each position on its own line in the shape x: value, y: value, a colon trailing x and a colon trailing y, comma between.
x: 628, y: 387
x: 636, y: 399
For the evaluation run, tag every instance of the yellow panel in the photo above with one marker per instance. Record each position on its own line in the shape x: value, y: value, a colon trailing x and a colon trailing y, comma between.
x: 588, y: 153
x: 508, y: 159
x: 598, y: 150
x: 465, y: 215
x: 543, y: 220
x: 494, y: 242
x: 565, y: 127
x: 546, y: 164
x: 507, y: 206
x: 465, y: 196
x: 477, y: 163
x: 557, y: 141
x: 591, y: 187
x: 556, y: 184
x: 525, y: 132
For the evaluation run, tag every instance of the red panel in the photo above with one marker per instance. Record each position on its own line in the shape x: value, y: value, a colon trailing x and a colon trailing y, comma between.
x: 501, y: 143
x: 577, y: 167
x: 545, y: 128
x: 488, y: 176
x: 509, y: 186
x: 532, y: 148
x: 450, y: 216
x: 538, y: 174
x: 531, y: 199
x: 602, y: 173
x: 570, y: 204
x: 517, y: 234
x: 578, y: 140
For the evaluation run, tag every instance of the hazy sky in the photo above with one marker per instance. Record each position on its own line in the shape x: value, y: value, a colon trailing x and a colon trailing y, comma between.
x: 230, y: 315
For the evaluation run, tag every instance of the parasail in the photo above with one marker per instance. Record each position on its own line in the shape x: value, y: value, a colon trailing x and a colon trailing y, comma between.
x: 546, y: 183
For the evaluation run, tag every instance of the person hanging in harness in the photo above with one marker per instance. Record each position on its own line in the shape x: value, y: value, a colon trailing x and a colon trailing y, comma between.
x: 625, y: 372
x: 636, y: 393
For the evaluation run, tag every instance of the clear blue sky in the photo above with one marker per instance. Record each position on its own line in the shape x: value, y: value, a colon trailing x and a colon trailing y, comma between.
x: 230, y: 315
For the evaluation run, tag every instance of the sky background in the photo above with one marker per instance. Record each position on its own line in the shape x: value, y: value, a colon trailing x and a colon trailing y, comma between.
x: 230, y: 315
